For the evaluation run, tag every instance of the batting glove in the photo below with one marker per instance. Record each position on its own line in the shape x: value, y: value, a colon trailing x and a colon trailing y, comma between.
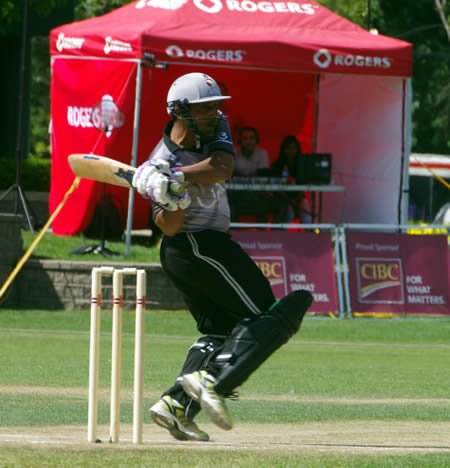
x: 143, y: 174
x: 163, y: 166
x: 141, y: 178
x: 159, y: 192
x: 184, y: 201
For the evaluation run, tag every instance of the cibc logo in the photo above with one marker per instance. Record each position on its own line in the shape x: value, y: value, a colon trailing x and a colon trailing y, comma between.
x: 274, y: 269
x: 218, y: 55
x: 380, y: 280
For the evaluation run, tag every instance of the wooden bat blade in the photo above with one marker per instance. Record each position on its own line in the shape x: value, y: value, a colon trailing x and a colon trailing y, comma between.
x: 102, y: 169
x: 110, y: 171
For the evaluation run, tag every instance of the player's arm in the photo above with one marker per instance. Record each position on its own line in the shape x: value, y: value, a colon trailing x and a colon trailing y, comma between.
x: 216, y: 168
x: 170, y: 222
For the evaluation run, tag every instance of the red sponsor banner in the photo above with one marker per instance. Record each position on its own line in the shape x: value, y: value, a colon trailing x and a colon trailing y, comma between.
x: 77, y: 86
x: 397, y: 273
x: 293, y: 261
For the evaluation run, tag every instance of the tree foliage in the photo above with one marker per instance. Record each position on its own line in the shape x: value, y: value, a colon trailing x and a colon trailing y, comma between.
x: 11, y: 12
x: 90, y: 8
x: 357, y: 11
x: 420, y: 23
x: 40, y: 98
x: 444, y: 14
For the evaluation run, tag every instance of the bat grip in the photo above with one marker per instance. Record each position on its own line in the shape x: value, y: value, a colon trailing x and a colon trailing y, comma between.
x: 177, y: 189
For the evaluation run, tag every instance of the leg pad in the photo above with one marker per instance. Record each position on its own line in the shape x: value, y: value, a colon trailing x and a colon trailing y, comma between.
x: 254, y: 339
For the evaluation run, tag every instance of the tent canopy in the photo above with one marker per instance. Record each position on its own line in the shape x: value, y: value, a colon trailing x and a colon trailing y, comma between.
x: 292, y: 35
x: 290, y: 67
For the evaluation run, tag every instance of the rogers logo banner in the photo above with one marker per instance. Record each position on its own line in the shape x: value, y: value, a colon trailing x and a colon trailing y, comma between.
x: 69, y: 42
x: 323, y: 59
x: 164, y: 4
x: 116, y: 46
x: 248, y: 6
x: 84, y: 116
x: 210, y: 6
x: 211, y: 54
x: 79, y: 116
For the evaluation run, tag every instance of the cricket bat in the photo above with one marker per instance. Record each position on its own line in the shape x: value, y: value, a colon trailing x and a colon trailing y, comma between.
x: 110, y: 171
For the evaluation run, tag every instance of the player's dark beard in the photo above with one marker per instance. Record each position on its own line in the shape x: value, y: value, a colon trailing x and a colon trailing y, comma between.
x: 205, y: 135
x: 209, y: 135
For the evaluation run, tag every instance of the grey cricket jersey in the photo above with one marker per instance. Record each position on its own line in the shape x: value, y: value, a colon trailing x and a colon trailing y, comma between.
x: 209, y: 208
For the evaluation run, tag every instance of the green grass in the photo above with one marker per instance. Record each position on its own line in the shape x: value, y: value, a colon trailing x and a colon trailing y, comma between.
x: 180, y: 458
x: 60, y: 247
x: 330, y: 357
x: 333, y: 371
x: 45, y: 410
x: 411, y: 330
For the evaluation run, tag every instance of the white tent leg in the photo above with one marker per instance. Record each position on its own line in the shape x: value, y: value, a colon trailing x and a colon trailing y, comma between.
x: 407, y: 136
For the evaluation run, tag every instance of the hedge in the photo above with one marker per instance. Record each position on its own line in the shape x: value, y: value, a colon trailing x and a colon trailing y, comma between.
x: 35, y: 174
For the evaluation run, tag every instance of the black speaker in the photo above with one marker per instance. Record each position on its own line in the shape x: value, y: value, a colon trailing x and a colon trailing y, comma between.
x: 314, y: 168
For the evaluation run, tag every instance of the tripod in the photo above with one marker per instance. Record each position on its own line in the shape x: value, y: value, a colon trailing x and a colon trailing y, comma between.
x: 101, y: 248
x: 19, y: 148
x: 20, y: 193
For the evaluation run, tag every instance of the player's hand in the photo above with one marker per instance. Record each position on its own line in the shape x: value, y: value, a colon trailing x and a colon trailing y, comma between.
x: 163, y: 166
x: 141, y: 178
x: 144, y: 172
x: 159, y: 191
x: 183, y: 201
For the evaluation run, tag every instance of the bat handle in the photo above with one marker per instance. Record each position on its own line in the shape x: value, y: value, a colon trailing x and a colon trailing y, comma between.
x: 177, y: 188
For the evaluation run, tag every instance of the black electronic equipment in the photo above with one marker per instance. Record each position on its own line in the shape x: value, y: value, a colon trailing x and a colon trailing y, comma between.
x: 314, y: 169
x: 265, y: 172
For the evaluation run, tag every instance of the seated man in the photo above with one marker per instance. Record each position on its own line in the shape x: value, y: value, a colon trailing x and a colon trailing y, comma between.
x: 249, y: 158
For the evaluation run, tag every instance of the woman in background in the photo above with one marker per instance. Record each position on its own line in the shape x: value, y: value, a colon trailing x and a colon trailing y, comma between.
x: 288, y: 158
x: 291, y: 205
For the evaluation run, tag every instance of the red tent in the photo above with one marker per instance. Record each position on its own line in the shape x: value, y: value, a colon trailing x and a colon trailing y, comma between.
x: 291, y: 67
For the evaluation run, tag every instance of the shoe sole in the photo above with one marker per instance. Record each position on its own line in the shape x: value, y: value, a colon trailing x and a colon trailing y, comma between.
x: 191, y: 387
x: 167, y: 421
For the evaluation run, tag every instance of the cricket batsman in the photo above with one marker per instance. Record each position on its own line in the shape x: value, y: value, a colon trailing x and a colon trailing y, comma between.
x: 228, y: 296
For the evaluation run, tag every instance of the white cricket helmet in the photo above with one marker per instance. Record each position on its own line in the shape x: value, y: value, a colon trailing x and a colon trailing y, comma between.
x: 193, y: 88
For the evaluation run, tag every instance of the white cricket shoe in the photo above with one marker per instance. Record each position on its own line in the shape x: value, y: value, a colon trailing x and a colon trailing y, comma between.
x: 200, y: 386
x: 170, y: 414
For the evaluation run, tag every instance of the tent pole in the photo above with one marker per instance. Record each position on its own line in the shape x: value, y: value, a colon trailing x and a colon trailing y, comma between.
x: 406, y: 151
x: 315, y: 113
x: 137, y: 113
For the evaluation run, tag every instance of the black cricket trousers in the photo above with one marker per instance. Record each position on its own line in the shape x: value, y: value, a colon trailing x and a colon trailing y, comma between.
x: 220, y: 283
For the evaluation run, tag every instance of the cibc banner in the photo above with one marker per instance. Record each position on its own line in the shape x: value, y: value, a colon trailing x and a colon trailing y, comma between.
x: 398, y: 273
x: 293, y: 261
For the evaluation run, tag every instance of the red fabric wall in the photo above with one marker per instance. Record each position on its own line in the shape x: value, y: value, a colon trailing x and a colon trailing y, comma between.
x: 277, y: 104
